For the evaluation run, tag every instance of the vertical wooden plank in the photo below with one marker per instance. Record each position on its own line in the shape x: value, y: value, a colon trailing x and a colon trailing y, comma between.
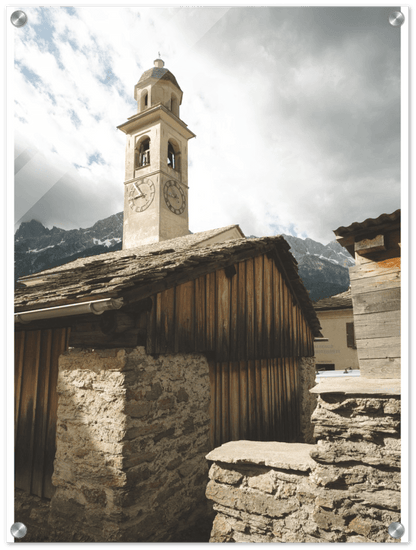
x: 259, y: 399
x: 223, y: 316
x: 289, y: 405
x: 250, y: 309
x: 41, y: 420
x: 244, y: 411
x: 272, y: 397
x: 59, y: 343
x: 251, y: 365
x: 212, y: 405
x: 218, y: 404
x: 184, y: 317
x: 234, y: 324
x: 200, y: 314
x: 258, y: 305
x: 278, y: 312
x: 295, y: 330
x: 159, y: 336
x: 19, y: 352
x: 25, y: 432
x: 210, y: 320
x: 234, y: 401
x: 151, y: 328
x: 265, y: 399
x: 225, y: 398
x: 268, y: 325
x: 284, y: 310
x: 291, y: 399
x: 165, y: 321
x: 241, y: 312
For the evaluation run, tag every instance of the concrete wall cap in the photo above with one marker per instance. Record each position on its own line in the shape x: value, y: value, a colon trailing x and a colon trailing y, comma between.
x: 358, y: 385
x: 287, y: 456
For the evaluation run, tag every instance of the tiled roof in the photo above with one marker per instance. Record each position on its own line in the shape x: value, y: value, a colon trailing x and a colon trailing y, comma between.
x: 160, y: 74
x: 368, y: 224
x: 151, y: 268
x: 339, y: 301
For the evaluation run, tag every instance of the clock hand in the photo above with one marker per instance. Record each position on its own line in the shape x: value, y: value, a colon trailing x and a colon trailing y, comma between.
x: 138, y: 190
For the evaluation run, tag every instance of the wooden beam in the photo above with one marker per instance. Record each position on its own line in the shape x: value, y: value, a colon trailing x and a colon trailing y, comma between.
x: 380, y: 368
x: 377, y: 325
x: 376, y: 302
x: 368, y: 246
x: 379, y: 348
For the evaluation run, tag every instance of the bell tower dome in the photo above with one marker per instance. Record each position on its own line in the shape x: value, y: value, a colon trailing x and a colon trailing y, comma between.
x: 156, y: 175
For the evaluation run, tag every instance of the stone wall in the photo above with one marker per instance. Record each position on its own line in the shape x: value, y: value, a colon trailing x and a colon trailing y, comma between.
x: 307, y: 375
x: 346, y: 488
x: 132, y: 434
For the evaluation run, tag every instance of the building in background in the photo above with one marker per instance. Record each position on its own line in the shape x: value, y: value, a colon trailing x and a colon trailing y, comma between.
x: 335, y: 315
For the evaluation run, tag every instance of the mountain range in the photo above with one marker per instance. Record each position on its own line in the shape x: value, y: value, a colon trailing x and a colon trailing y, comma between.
x: 323, y: 268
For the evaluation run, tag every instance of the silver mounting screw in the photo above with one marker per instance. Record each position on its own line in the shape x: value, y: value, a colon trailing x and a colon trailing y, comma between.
x: 396, y: 530
x: 396, y: 18
x: 18, y: 18
x: 18, y: 530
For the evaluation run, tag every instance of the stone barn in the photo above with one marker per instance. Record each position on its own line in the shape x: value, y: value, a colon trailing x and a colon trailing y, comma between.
x: 132, y: 365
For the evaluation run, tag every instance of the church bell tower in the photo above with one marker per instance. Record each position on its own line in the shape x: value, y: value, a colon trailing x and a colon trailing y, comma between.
x: 156, y: 175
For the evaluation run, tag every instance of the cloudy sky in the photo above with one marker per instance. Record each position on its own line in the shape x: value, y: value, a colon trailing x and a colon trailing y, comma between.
x: 296, y: 112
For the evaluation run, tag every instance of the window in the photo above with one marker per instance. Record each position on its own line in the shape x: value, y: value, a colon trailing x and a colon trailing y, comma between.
x: 142, y: 157
x: 324, y: 366
x: 171, y: 156
x: 351, y: 336
x: 144, y: 100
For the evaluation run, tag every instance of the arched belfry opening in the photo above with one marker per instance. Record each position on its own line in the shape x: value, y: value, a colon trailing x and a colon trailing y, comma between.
x: 144, y: 102
x: 142, y: 156
x: 173, y: 159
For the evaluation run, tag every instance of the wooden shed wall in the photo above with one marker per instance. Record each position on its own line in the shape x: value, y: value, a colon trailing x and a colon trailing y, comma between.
x: 375, y: 289
x: 36, y: 373
x: 241, y: 313
x: 255, y: 400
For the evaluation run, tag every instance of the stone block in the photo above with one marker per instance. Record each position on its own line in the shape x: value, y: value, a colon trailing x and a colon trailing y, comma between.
x: 263, y: 482
x: 328, y: 520
x: 225, y: 475
x: 360, y: 526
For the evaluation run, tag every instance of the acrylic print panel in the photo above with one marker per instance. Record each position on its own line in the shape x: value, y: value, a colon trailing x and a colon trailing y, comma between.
x: 301, y: 123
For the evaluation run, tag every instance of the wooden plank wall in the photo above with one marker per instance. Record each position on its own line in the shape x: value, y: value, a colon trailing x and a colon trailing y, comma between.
x: 256, y: 400
x: 244, y: 313
x: 36, y: 373
x: 375, y: 289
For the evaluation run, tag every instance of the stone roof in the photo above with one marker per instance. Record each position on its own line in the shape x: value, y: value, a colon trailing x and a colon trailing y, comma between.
x: 152, y: 268
x: 369, y: 224
x: 160, y: 74
x: 339, y: 301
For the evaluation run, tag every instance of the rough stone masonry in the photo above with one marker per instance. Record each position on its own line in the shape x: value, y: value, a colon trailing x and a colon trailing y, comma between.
x: 132, y: 434
x: 346, y: 488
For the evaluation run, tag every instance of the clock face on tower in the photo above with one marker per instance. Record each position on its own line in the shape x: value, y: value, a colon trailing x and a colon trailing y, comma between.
x: 141, y: 194
x: 174, y: 197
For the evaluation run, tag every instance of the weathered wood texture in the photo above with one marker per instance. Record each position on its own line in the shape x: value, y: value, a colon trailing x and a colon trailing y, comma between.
x: 255, y: 400
x: 375, y: 289
x: 379, y: 348
x: 250, y: 315
x: 366, y: 246
x: 380, y: 368
x: 377, y: 302
x: 36, y: 372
